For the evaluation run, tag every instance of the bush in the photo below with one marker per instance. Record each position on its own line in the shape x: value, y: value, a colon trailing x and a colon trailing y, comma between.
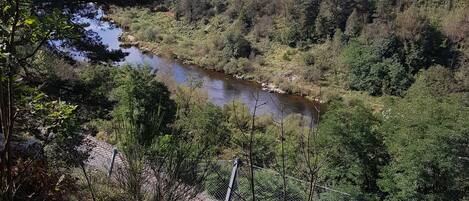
x: 290, y: 35
x: 438, y: 80
x: 313, y: 73
x: 237, y: 66
x: 149, y: 33
x: 308, y: 58
x: 355, y: 150
x: 169, y: 39
x: 236, y: 46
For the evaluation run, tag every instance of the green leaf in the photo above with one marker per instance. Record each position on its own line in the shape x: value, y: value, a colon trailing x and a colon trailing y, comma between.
x: 30, y: 21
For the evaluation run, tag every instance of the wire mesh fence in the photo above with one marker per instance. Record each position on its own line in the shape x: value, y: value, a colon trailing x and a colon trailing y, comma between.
x: 269, y: 185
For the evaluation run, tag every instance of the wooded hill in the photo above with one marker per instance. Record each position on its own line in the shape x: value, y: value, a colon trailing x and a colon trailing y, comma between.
x: 373, y: 46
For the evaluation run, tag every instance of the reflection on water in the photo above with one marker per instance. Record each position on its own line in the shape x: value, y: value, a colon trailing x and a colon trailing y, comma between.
x: 221, y: 89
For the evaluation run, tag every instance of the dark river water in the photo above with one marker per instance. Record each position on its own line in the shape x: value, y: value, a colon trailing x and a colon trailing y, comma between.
x: 221, y: 89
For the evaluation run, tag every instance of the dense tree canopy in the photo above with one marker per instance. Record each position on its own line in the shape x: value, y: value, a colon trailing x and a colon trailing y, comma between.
x: 354, y: 149
x: 426, y: 147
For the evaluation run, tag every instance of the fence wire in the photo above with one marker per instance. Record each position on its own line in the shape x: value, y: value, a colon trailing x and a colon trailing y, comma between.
x: 268, y: 185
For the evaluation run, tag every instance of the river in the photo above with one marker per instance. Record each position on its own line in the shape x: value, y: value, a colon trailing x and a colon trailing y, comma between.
x: 221, y: 89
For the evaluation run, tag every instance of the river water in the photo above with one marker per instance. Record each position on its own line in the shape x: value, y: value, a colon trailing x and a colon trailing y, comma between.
x: 221, y: 89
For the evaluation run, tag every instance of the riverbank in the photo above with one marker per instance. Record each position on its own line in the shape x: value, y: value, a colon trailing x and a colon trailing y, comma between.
x: 278, y: 68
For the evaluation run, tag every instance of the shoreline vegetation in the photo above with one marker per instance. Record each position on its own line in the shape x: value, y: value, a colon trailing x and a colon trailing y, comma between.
x: 180, y: 49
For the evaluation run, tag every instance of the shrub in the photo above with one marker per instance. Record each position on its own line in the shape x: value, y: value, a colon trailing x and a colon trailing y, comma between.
x: 286, y: 57
x: 169, y: 39
x: 149, y: 33
x: 237, y: 66
x: 438, y: 80
x: 313, y: 73
x: 308, y: 58
x: 236, y: 46
x: 290, y: 35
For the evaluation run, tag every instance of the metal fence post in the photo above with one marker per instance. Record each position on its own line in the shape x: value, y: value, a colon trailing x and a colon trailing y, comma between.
x: 114, y: 153
x: 231, y: 185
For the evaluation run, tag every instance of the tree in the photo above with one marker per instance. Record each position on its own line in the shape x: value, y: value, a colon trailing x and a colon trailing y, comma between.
x: 236, y: 46
x: 354, y: 24
x: 291, y: 34
x: 193, y: 10
x: 181, y: 160
x: 144, y: 104
x: 426, y: 137
x: 22, y: 33
x: 422, y: 44
x: 333, y: 14
x: 376, y: 69
x: 355, y: 150
x: 303, y: 13
x: 52, y: 145
x: 142, y: 115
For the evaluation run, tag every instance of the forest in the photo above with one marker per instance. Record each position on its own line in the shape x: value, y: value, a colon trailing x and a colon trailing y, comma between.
x: 392, y: 77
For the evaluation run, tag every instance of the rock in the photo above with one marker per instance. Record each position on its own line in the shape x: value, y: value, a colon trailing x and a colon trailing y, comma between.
x: 317, y: 99
x: 239, y: 77
x: 272, y: 88
x: 145, y: 50
x: 294, y: 78
x: 131, y: 38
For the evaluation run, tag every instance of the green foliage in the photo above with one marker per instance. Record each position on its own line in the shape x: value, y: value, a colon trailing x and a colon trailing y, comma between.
x: 220, y: 175
x: 236, y: 46
x: 237, y: 66
x: 100, y: 79
x: 439, y: 81
x: 143, y: 108
x: 425, y: 138
x: 333, y: 15
x: 354, y: 24
x: 423, y: 43
x: 291, y: 34
x: 296, y: 128
x: 238, y: 115
x: 375, y: 69
x: 262, y: 148
x: 269, y: 187
x: 308, y: 59
x: 425, y: 133
x: 207, y: 125
x: 55, y: 125
x: 353, y: 146
x: 149, y: 33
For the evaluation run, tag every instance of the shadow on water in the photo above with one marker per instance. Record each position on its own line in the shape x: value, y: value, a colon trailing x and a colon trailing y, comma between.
x: 221, y: 89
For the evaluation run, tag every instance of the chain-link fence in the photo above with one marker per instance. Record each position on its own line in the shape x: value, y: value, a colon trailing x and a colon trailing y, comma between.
x: 268, y: 185
x: 229, y: 179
